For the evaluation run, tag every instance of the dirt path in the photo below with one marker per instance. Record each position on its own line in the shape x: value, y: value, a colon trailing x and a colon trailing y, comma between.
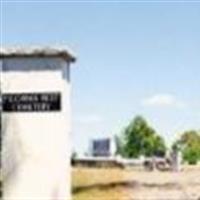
x: 116, y: 184
x: 167, y: 186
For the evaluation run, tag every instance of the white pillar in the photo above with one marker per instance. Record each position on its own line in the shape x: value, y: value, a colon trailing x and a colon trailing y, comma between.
x: 36, y: 124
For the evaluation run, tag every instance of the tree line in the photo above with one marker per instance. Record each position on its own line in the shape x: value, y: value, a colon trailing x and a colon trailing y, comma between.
x: 140, y: 139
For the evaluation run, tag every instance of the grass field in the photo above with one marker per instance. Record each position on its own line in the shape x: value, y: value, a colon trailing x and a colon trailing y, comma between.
x: 118, y: 184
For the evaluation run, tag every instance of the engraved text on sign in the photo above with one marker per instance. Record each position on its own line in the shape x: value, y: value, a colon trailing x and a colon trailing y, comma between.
x: 31, y: 102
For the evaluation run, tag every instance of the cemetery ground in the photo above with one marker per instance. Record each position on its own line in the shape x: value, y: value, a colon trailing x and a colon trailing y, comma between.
x: 135, y: 184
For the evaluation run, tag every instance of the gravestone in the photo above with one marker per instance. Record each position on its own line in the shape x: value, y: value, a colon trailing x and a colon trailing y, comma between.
x: 35, y: 123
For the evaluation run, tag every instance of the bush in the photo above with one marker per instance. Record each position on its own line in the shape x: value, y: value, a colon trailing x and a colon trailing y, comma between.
x: 191, y: 155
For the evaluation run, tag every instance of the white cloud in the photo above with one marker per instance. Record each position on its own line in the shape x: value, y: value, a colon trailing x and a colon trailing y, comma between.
x: 163, y: 100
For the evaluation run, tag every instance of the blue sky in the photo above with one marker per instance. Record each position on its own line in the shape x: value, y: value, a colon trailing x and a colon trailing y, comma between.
x: 133, y: 58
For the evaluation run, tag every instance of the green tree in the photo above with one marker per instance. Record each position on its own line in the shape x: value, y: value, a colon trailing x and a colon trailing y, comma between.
x: 189, y: 144
x: 159, y: 146
x: 139, y: 138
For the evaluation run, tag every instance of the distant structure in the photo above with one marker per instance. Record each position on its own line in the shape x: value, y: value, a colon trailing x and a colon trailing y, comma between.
x: 176, y: 159
x: 103, y: 147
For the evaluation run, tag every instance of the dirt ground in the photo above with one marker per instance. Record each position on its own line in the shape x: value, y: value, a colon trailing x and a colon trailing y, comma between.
x: 135, y: 184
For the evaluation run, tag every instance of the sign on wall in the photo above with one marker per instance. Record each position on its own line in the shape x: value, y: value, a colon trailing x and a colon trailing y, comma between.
x: 31, y: 102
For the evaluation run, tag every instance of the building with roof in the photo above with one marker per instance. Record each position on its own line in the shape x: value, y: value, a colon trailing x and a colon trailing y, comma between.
x: 102, y: 147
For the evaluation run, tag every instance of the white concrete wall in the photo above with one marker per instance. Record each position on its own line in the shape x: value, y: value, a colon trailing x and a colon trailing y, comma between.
x: 36, y: 145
